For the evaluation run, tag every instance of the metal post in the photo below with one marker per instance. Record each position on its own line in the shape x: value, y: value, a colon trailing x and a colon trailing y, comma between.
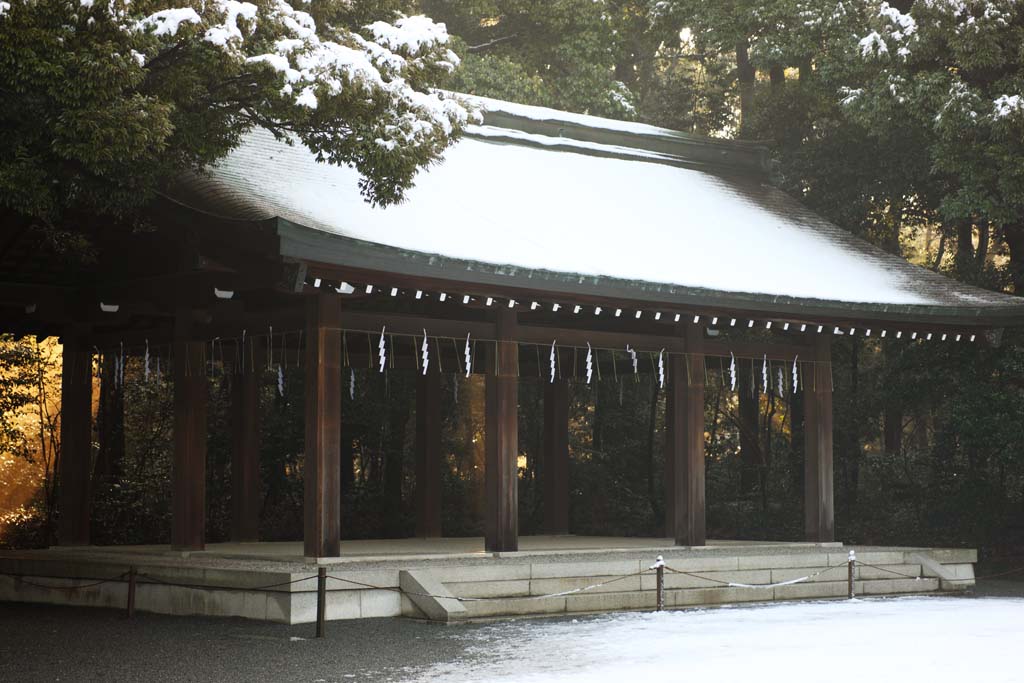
x: 659, y: 567
x: 321, y: 600
x: 849, y: 572
x: 131, y: 591
x: 661, y: 588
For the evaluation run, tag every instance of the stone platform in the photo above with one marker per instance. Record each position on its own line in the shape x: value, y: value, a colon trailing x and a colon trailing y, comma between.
x: 452, y: 579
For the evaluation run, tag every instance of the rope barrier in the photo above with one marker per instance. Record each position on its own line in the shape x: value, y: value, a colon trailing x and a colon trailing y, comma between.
x: 157, y: 580
x: 889, y: 571
x: 95, y: 582
x: 512, y: 597
x: 735, y: 584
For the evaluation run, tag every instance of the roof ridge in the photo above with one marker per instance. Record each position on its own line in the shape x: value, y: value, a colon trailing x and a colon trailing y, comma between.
x: 740, y: 155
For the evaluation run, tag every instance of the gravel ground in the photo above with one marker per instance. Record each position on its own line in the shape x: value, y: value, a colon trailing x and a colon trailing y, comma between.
x: 51, y: 643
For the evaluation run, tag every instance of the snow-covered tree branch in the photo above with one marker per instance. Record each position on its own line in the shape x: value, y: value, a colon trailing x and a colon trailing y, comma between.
x: 105, y: 100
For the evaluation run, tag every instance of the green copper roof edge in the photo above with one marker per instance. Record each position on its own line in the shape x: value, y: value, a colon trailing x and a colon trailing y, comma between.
x: 751, y: 157
x: 305, y: 243
x: 612, y: 152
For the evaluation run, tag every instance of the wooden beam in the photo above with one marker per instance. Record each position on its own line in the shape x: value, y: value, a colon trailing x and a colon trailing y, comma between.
x: 690, y: 514
x: 322, y: 469
x: 502, y: 427
x: 404, y: 323
x: 188, y: 495
x: 76, y: 443
x: 748, y: 349
x: 818, y: 474
x: 684, y: 443
x: 554, y: 469
x: 428, y: 455
x: 245, y: 451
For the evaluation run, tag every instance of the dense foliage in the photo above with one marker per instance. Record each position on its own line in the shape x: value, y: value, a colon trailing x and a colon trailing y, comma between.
x: 103, y: 103
x: 902, y: 122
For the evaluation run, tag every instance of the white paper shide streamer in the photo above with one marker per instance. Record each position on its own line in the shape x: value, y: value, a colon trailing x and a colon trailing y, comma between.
x: 553, y: 359
x: 781, y: 384
x: 732, y: 371
x: 280, y: 380
x: 764, y: 375
x: 590, y: 362
x: 796, y: 375
x: 426, y: 353
x: 632, y: 355
x: 352, y: 383
x: 661, y: 368
x: 146, y: 363
x: 469, y: 358
x: 382, y: 353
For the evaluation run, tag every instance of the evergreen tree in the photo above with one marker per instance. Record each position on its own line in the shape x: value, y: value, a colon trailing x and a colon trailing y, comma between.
x: 105, y: 102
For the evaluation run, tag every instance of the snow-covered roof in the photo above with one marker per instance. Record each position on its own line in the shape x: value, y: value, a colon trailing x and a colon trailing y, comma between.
x: 571, y: 204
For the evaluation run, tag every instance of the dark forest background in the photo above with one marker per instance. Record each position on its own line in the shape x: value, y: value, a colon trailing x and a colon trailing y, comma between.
x: 928, y: 436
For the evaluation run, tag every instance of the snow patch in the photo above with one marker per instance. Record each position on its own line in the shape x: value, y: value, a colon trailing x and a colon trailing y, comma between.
x: 414, y: 34
x: 166, y: 22
x: 1007, y: 105
x: 934, y: 639
x: 227, y: 31
x: 873, y: 45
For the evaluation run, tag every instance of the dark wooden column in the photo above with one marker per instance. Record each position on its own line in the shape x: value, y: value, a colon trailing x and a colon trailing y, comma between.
x: 502, y: 426
x: 555, y: 464
x: 428, y: 455
x: 245, y: 449
x: 322, y: 468
x: 188, y: 494
x: 818, y: 512
x: 76, y: 443
x: 685, y: 436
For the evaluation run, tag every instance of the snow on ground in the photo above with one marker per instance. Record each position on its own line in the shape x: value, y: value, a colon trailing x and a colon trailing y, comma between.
x: 933, y: 639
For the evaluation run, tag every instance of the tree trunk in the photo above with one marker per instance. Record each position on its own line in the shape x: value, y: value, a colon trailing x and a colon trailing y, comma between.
x: 796, y: 439
x: 806, y: 70
x: 964, y: 248
x: 652, y: 497
x: 852, y: 435
x: 109, y: 422
x: 749, y: 414
x: 746, y: 76
x: 892, y: 434
x: 394, y: 459
x: 981, y: 255
x: 1013, y: 233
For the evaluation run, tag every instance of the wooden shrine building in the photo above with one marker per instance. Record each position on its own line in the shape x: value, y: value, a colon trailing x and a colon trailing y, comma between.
x: 546, y: 245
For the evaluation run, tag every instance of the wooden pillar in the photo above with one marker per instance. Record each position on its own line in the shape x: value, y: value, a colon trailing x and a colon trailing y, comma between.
x: 245, y: 449
x: 555, y: 463
x: 76, y: 443
x: 818, y: 510
x: 188, y: 494
x: 428, y: 455
x: 502, y: 427
x: 322, y: 468
x: 685, y: 436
